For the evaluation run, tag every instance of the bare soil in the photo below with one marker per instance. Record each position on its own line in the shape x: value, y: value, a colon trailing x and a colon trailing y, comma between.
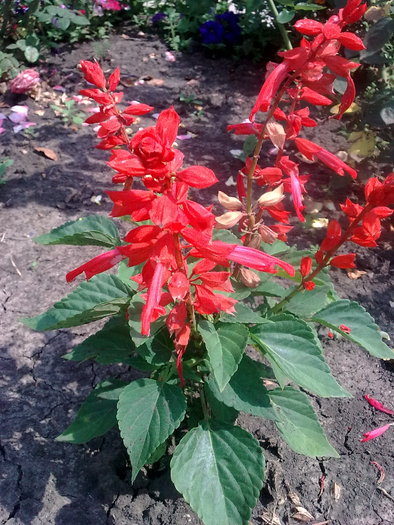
x: 46, y: 482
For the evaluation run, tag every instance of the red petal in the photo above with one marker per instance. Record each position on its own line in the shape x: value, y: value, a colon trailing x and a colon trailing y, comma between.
x: 351, y: 41
x: 138, y: 109
x: 113, y: 79
x: 308, y: 27
x: 372, y: 434
x: 343, y: 261
x: 167, y: 125
x: 197, y: 177
x: 93, y: 73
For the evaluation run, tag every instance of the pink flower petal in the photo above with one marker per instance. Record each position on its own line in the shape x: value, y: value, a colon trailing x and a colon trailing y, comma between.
x: 378, y: 405
x: 372, y: 434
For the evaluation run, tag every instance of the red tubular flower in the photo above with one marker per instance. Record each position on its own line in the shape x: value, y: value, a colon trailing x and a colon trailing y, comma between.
x: 372, y: 434
x: 380, y: 193
x: 98, y: 264
x: 93, y: 73
x: 378, y: 405
x: 150, y: 309
x: 311, y: 150
x: 258, y: 260
x: 270, y: 88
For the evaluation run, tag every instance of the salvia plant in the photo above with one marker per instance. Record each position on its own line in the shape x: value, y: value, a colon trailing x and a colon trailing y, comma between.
x: 182, y: 306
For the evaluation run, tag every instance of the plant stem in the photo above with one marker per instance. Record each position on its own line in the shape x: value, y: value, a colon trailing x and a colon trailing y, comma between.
x: 204, y: 404
x: 281, y: 27
x: 279, y: 306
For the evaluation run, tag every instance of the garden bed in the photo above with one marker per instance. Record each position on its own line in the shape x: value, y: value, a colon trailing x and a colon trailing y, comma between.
x: 44, y: 481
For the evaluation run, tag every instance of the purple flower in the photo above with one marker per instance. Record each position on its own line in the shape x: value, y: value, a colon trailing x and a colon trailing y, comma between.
x: 158, y: 17
x: 211, y: 32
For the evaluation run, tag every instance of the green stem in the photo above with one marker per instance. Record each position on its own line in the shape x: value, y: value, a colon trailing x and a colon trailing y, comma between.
x: 279, y: 306
x: 204, y: 404
x: 281, y: 27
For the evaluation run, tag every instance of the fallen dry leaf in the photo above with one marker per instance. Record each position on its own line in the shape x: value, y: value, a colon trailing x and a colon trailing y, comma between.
x: 46, y: 152
x: 270, y: 518
x: 336, y: 490
x: 302, y: 514
x: 155, y: 82
x: 40, y: 112
x: 355, y: 274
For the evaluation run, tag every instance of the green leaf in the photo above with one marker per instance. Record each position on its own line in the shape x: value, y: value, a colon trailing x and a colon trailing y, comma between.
x: 305, y: 6
x: 220, y: 411
x: 243, y: 314
x: 268, y: 286
x: 157, y: 350
x: 97, y: 414
x: 148, y: 413
x: 290, y: 344
x: 111, y: 344
x: 31, y: 54
x: 219, y: 469
x: 94, y: 230
x: 364, y: 331
x: 245, y: 391
x: 103, y: 295
x: 298, y: 425
x: 225, y: 344
x: 307, y: 302
x: 378, y: 35
x: 285, y: 16
x: 225, y: 236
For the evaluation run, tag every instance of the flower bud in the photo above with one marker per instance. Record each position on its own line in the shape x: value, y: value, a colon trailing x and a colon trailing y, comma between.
x: 228, y: 219
x: 248, y: 278
x: 271, y: 198
x: 267, y: 235
x: 230, y: 203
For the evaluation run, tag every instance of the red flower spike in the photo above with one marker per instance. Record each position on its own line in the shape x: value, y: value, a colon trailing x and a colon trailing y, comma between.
x: 343, y: 261
x: 378, y: 405
x: 372, y: 434
x: 98, y: 264
x: 93, y: 73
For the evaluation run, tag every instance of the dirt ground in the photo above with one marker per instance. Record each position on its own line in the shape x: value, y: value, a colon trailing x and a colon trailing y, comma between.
x: 46, y: 482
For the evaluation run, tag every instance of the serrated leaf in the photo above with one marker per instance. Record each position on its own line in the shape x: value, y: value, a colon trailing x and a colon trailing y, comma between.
x: 307, y: 302
x: 219, y: 469
x: 97, y: 415
x: 94, y: 230
x: 157, y: 350
x: 243, y: 314
x: 103, y: 295
x: 293, y: 347
x: 225, y: 344
x: 364, y: 331
x: 111, y: 344
x: 298, y: 425
x: 148, y: 413
x: 245, y: 391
